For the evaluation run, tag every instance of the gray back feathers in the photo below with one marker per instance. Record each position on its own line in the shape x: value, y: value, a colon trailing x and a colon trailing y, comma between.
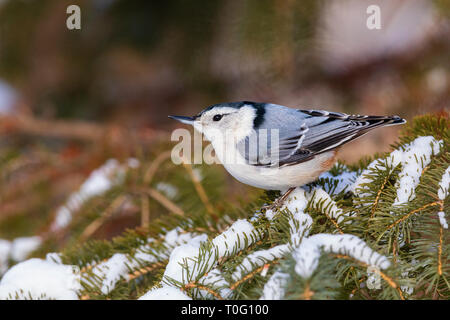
x: 303, y: 134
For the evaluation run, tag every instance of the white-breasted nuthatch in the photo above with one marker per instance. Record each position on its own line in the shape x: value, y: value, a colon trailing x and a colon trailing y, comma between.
x: 279, y: 148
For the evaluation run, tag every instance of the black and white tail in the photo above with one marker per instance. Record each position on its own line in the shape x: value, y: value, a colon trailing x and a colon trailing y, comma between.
x: 329, y: 130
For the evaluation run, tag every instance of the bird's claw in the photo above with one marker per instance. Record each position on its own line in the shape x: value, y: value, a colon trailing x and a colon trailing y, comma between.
x: 274, y: 206
x: 277, y: 203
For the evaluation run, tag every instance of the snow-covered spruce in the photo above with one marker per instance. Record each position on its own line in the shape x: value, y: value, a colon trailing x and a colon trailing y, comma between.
x: 230, y: 241
x: 165, y: 293
x: 412, y: 157
x: 99, y: 181
x: 443, y: 191
x: 307, y: 254
x: 191, y: 262
x: 194, y: 258
x: 330, y: 208
x: 301, y: 222
x: 259, y: 258
x: 274, y: 287
x: 104, y: 275
x: 339, y: 183
x: 40, y: 279
x: 120, y: 266
x: 215, y: 279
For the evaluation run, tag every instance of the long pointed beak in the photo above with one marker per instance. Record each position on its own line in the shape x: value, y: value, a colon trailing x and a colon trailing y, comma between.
x: 183, y: 119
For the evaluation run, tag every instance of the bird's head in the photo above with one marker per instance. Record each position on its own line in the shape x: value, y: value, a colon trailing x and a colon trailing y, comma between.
x: 235, y: 118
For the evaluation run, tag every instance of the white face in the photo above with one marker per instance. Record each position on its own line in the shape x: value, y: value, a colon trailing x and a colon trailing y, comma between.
x: 237, y: 122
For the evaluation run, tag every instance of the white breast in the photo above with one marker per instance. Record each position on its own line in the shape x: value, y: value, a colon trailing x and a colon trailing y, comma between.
x: 273, y: 178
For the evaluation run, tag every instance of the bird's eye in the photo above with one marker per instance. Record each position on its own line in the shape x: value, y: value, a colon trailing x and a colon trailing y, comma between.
x: 217, y: 117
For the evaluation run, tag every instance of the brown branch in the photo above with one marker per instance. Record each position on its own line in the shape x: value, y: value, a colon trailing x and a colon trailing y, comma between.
x: 412, y: 212
x: 145, y: 212
x: 386, y: 278
x: 200, y: 190
x: 94, y: 225
x: 148, y: 176
x: 335, y: 224
x: 394, y: 251
x: 252, y: 274
x: 91, y: 266
x: 52, y: 128
x: 307, y: 293
x: 202, y: 287
x: 378, y: 196
x: 144, y: 270
x: 78, y: 130
x: 164, y: 201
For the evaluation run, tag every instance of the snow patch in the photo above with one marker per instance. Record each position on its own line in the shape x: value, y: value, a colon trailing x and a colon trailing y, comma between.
x: 259, y: 258
x: 300, y: 222
x: 230, y: 241
x: 442, y: 219
x: 308, y: 253
x: 5, y: 249
x: 413, y: 157
x: 111, y: 271
x: 274, y: 287
x: 8, y: 98
x: 22, y: 247
x: 332, y: 210
x: 185, y: 255
x: 234, y: 238
x: 169, y: 190
x: 120, y: 266
x: 343, y: 181
x: 40, y: 279
x: 215, y: 279
x: 165, y: 293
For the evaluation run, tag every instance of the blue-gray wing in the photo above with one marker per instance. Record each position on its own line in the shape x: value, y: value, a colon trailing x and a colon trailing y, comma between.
x: 289, y: 136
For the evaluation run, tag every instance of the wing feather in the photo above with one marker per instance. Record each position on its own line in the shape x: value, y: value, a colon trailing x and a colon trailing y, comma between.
x: 307, y: 133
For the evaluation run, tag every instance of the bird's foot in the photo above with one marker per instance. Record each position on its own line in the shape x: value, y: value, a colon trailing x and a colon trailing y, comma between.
x: 278, y: 203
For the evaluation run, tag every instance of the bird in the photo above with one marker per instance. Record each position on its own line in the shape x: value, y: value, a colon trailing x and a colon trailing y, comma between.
x: 274, y: 147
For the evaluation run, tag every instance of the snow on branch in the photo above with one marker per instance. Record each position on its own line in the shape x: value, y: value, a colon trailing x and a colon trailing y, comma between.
x: 191, y: 261
x: 40, y: 279
x: 165, y: 293
x: 307, y: 254
x: 339, y: 183
x: 259, y: 258
x: 193, y: 264
x: 412, y: 157
x: 121, y: 266
x: 444, y: 186
x: 99, y: 181
x: 274, y: 287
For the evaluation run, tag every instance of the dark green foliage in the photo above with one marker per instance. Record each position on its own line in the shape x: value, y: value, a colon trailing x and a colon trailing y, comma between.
x: 409, y: 235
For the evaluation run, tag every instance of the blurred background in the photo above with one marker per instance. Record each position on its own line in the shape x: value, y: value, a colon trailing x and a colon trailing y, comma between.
x: 134, y: 62
x: 71, y: 99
